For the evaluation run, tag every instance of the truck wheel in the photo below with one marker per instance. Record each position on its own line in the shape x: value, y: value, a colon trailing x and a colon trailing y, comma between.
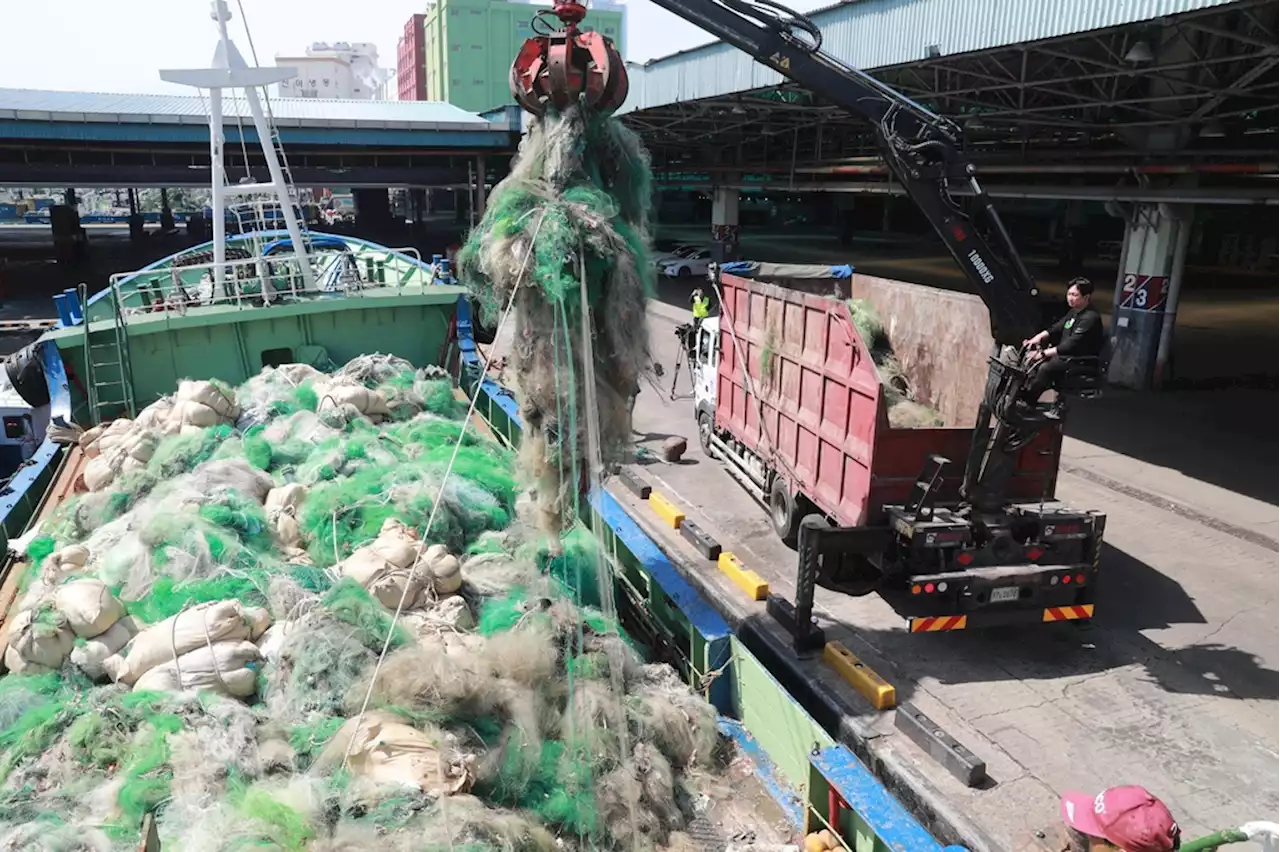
x: 783, y: 512
x: 704, y: 432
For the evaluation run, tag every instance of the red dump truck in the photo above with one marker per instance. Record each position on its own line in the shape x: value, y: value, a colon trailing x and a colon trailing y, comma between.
x: 790, y: 398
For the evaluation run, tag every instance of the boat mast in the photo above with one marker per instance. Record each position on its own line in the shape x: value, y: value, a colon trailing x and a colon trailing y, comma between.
x: 231, y: 71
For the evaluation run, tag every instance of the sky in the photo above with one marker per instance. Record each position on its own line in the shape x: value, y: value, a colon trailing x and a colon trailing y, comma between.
x: 119, y: 45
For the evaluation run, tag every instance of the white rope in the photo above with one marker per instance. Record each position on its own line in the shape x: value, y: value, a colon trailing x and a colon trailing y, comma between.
x: 435, y: 506
x: 608, y: 605
x: 748, y: 385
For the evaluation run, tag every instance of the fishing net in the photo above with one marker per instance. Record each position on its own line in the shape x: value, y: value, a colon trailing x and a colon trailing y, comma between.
x: 905, y: 411
x: 201, y: 639
x: 564, y: 244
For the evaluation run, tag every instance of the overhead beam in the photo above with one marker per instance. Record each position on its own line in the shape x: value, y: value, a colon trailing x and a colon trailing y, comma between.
x: 1173, y: 195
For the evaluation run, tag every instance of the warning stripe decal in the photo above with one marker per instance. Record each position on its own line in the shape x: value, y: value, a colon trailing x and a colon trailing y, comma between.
x: 934, y: 624
x: 1068, y: 613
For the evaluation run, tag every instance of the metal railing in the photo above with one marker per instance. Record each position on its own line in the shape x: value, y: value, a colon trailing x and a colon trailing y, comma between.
x: 258, y: 281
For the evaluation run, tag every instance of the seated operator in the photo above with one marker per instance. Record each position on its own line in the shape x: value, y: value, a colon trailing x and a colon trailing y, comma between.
x: 1079, y: 334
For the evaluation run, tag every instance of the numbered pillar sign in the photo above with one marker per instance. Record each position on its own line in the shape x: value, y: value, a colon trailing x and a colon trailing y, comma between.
x: 1144, y: 292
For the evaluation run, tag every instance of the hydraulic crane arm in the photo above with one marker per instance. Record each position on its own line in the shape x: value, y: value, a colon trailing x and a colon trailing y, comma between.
x: 925, y: 151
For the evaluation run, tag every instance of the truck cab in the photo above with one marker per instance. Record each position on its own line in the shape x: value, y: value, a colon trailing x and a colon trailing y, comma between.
x: 706, y: 363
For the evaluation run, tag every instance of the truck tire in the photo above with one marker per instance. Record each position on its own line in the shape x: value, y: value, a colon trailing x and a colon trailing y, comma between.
x: 705, y: 429
x: 783, y: 512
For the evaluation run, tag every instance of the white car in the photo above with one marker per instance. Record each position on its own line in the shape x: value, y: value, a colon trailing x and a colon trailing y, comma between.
x: 676, y: 253
x: 694, y: 263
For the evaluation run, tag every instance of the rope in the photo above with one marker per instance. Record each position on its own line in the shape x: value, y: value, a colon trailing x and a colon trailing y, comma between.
x: 608, y: 605
x: 213, y: 655
x: 748, y: 386
x: 435, y: 506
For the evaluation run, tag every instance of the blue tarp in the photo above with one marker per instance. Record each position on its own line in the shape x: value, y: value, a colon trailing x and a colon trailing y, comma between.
x: 759, y: 269
x: 316, y: 242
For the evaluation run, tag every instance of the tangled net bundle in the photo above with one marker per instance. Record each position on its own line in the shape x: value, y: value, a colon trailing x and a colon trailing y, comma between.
x: 201, y: 632
x: 905, y: 411
x: 567, y: 233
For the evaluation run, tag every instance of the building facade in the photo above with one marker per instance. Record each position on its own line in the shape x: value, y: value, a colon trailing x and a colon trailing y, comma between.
x: 342, y: 71
x: 470, y: 44
x: 411, y: 61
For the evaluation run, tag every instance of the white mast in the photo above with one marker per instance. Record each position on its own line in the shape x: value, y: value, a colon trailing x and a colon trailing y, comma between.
x: 231, y: 71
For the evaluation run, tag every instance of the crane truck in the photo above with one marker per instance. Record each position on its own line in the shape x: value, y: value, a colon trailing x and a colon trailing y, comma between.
x: 948, y: 551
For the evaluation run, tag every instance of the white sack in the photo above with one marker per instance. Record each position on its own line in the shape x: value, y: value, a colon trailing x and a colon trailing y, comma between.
x: 90, y: 609
x: 90, y: 656
x: 385, y: 567
x: 218, y: 621
x: 41, y: 644
x: 222, y: 667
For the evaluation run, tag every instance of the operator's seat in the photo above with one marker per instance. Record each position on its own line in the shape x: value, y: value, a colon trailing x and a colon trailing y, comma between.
x: 1086, y: 376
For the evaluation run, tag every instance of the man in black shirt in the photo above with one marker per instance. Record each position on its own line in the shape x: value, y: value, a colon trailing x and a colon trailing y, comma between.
x: 1079, y: 334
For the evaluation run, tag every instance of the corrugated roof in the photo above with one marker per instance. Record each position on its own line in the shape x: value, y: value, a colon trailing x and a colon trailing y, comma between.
x: 42, y: 105
x: 874, y: 34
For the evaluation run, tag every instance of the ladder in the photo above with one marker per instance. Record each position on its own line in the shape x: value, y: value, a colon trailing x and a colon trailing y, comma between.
x: 111, y: 356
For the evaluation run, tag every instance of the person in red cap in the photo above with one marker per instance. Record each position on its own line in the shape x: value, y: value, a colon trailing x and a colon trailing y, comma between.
x: 1125, y: 818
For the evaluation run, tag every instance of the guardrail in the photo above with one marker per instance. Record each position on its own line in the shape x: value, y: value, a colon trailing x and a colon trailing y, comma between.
x: 246, y: 280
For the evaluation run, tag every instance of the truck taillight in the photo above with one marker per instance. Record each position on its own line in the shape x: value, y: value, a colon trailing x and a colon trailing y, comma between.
x: 964, y: 558
x: 1034, y: 553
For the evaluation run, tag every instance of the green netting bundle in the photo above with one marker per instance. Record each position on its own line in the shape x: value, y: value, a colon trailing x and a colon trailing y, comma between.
x: 548, y: 731
x: 571, y: 218
x: 904, y: 410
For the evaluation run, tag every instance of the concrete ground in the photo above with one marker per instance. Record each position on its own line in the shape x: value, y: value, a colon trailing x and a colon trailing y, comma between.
x: 1173, y: 686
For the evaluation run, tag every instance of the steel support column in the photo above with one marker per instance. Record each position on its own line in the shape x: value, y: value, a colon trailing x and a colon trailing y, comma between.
x: 724, y: 223
x: 1154, y: 254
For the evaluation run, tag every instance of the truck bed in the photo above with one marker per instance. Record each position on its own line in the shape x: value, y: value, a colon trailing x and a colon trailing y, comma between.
x: 796, y: 382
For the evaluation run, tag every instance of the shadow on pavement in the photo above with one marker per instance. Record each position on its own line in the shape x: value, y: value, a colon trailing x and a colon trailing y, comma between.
x: 1135, y: 596
x: 1212, y: 669
x: 1224, y: 437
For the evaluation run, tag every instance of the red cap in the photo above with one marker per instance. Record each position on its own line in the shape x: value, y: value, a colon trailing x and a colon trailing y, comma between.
x: 1128, y: 817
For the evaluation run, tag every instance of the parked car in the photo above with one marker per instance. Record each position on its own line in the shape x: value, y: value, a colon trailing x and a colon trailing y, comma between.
x: 661, y: 260
x: 695, y: 263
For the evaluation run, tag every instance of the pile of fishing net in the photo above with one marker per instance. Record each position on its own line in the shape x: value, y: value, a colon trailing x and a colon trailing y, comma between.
x: 200, y: 637
x: 905, y: 411
x: 563, y: 244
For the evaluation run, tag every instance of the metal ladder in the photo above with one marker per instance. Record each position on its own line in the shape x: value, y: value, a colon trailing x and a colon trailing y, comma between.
x: 277, y: 144
x: 112, y: 355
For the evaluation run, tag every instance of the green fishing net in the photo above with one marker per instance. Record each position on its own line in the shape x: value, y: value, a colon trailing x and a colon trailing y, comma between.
x: 564, y: 245
x: 518, y: 679
x: 905, y: 411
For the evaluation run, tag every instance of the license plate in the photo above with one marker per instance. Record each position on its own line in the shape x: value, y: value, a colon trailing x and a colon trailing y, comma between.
x: 1007, y: 593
